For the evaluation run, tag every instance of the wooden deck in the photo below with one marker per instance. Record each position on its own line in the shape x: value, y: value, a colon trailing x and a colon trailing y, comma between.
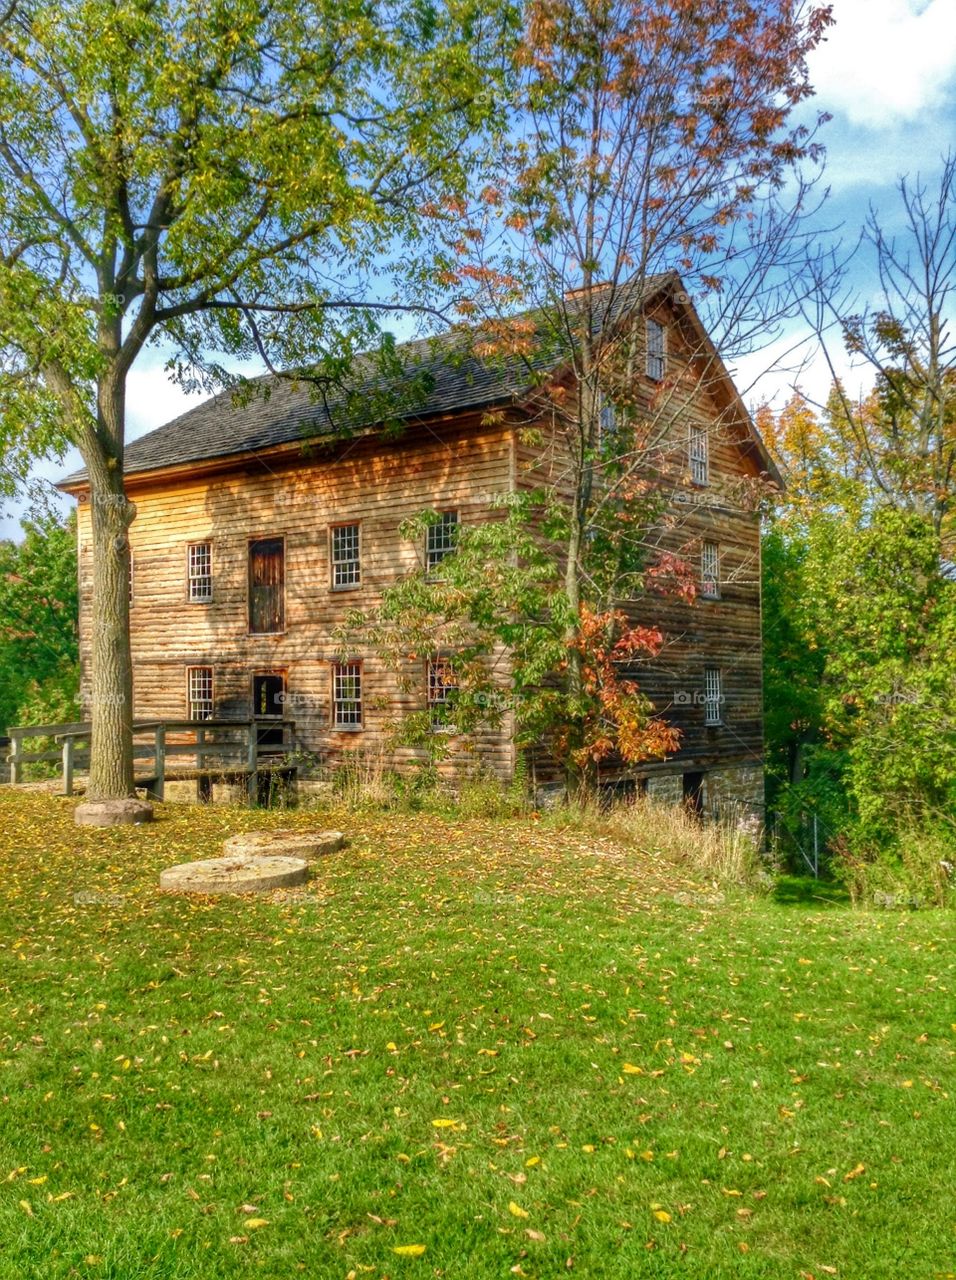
x: 164, y: 751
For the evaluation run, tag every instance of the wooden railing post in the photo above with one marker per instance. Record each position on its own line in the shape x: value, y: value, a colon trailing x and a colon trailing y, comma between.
x: 16, y: 767
x: 252, y: 763
x: 159, y: 759
x: 68, y: 766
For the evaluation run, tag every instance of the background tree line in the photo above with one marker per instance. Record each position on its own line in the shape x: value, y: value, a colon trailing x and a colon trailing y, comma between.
x: 859, y: 573
x: 39, y: 657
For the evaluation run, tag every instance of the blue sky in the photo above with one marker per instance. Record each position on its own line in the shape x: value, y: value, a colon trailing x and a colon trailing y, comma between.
x: 887, y: 75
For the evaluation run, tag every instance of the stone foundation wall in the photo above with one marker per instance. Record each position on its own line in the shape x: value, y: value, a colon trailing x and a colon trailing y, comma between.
x: 729, y: 791
x: 665, y: 788
x: 734, y: 790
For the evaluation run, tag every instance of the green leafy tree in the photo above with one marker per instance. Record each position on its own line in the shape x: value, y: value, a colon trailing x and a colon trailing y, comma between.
x: 794, y: 660
x: 221, y: 178
x: 859, y: 617
x: 655, y: 148
x: 39, y: 661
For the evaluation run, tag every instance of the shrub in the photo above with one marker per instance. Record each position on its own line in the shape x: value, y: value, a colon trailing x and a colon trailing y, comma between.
x: 484, y: 796
x: 916, y: 870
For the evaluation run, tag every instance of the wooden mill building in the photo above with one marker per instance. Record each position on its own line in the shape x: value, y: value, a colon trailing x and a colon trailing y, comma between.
x: 260, y: 525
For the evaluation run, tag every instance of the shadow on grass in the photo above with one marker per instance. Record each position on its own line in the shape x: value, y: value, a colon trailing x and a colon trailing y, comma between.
x: 804, y: 891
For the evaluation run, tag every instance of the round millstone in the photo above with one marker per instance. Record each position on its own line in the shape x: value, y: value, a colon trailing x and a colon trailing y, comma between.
x: 284, y: 844
x: 112, y: 813
x: 235, y: 875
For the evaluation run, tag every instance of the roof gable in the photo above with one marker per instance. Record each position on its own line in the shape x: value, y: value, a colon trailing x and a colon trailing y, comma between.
x: 442, y: 376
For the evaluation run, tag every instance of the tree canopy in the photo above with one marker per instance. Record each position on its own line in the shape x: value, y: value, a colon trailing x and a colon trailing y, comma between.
x: 224, y: 179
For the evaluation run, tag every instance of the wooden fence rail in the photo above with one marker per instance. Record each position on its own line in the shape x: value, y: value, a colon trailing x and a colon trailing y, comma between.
x: 175, y: 749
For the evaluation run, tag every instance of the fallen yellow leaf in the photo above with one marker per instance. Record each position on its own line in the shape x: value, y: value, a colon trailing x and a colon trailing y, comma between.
x: 408, y: 1250
x: 662, y: 1215
x: 254, y: 1223
x: 517, y: 1210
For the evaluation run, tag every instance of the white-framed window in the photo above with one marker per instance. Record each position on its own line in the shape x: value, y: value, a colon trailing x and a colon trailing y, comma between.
x: 199, y: 572
x: 710, y: 570
x: 347, y: 695
x: 655, y: 350
x: 713, y: 698
x: 607, y: 421
x: 698, y: 455
x: 199, y: 704
x: 442, y: 689
x: 441, y: 539
x: 344, y: 554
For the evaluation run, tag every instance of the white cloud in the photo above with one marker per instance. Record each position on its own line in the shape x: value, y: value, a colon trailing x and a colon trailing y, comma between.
x: 152, y: 399
x: 797, y: 360
x: 886, y: 61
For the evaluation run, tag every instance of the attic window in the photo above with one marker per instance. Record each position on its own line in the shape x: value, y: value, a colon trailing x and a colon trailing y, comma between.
x: 655, y: 350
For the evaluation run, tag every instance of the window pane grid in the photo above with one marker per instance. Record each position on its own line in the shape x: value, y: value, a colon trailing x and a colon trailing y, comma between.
x: 655, y: 350
x: 442, y: 538
x: 346, y: 571
x: 442, y: 688
x: 712, y: 695
x: 200, y: 573
x: 698, y: 456
x: 710, y: 569
x: 199, y: 693
x: 347, y: 695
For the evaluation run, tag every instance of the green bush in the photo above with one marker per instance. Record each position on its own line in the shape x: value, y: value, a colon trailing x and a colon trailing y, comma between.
x: 917, y: 870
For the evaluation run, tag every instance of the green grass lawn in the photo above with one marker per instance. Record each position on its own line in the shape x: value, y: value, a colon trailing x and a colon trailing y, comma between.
x: 530, y: 1052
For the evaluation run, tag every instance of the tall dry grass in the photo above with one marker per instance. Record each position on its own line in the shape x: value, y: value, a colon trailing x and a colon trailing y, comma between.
x: 728, y: 851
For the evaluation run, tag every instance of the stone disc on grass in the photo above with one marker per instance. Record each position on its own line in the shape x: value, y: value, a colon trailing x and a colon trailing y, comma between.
x: 112, y: 813
x: 235, y: 875
x: 285, y: 844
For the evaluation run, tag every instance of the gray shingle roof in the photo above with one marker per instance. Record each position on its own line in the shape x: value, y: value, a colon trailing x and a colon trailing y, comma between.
x: 437, y: 375
x: 280, y: 411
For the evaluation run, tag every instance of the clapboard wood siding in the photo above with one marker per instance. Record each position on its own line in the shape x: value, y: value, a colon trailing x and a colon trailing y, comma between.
x: 724, y: 633
x: 457, y: 462
x: 371, y: 482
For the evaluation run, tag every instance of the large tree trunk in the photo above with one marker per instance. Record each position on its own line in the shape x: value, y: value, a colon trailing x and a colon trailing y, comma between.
x: 111, y: 684
x: 575, y: 777
x: 580, y: 779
